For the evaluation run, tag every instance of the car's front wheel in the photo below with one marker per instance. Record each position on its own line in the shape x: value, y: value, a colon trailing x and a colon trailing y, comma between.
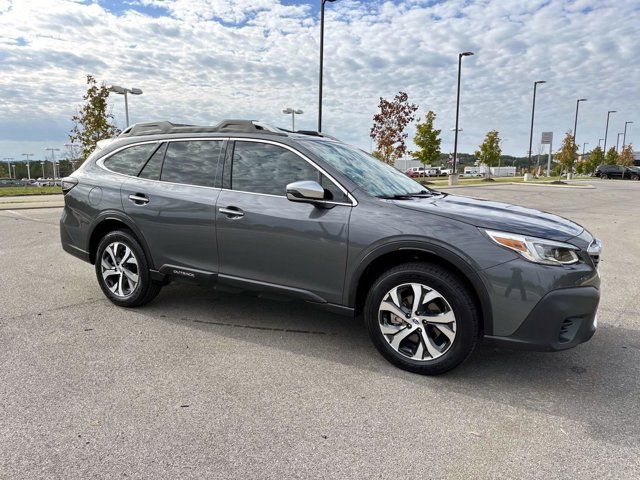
x: 422, y: 318
x: 123, y: 270
x: 604, y: 176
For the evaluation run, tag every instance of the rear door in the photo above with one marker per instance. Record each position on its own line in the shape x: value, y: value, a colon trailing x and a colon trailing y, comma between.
x: 173, y: 202
x: 264, y: 238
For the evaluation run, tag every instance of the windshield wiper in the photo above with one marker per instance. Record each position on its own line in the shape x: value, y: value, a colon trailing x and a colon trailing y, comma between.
x: 405, y: 196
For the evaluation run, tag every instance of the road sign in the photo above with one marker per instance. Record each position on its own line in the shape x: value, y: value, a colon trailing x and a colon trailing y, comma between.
x: 547, y: 138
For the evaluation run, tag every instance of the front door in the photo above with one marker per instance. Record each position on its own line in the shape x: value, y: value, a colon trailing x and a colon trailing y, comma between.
x: 173, y: 202
x: 265, y: 238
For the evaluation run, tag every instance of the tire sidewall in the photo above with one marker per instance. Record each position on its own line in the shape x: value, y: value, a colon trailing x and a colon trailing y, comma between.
x: 143, y: 268
x: 454, y: 292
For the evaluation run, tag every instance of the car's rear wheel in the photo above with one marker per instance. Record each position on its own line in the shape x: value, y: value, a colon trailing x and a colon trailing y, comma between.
x: 422, y: 318
x: 635, y: 177
x: 122, y: 270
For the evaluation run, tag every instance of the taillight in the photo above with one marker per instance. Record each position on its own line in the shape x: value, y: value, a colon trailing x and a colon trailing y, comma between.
x: 68, y: 183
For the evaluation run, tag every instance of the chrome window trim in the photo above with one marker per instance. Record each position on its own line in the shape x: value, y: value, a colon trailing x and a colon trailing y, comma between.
x: 354, y: 201
x: 101, y: 160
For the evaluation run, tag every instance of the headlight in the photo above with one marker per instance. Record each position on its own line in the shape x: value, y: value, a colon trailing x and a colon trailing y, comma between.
x: 537, y: 250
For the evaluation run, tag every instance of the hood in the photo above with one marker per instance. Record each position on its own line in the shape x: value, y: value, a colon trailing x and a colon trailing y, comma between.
x: 496, y: 216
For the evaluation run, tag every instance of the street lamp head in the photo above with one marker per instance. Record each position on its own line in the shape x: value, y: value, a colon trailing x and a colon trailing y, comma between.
x: 135, y: 91
x: 117, y: 89
x: 287, y: 111
x: 466, y: 54
x: 298, y: 112
x: 611, y: 111
x: 537, y: 82
x: 630, y: 121
x: 582, y: 99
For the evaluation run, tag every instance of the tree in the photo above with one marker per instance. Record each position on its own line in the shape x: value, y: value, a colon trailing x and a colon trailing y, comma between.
x: 428, y: 139
x: 389, y: 126
x: 489, y: 151
x: 567, y: 154
x: 93, y: 122
x: 596, y: 157
x: 626, y: 156
x: 611, y: 158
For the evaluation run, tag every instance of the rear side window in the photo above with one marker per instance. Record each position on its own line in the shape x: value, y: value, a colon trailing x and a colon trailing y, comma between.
x: 193, y: 162
x: 153, y: 167
x: 130, y: 160
x: 265, y: 168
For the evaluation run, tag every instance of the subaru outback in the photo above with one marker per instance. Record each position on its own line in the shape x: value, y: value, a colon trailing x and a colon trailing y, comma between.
x: 303, y: 214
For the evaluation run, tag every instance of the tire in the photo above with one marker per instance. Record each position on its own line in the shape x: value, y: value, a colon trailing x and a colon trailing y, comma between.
x: 604, y: 176
x: 116, y: 274
x: 445, y: 296
x: 635, y: 177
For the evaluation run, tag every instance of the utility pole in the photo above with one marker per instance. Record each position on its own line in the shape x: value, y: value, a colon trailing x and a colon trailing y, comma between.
x: 8, y: 160
x: 53, y: 159
x: 28, y: 169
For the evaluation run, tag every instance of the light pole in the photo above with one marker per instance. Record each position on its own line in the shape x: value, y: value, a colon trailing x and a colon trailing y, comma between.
x: 53, y: 159
x: 600, y: 140
x: 533, y: 112
x: 606, y: 131
x: 321, y: 62
x: 28, y: 169
x: 14, y: 170
x: 618, y: 140
x: 293, y: 112
x: 124, y: 91
x: 455, y: 141
x: 583, y: 147
x: 624, y: 138
x: 575, y: 122
x: 8, y: 160
x: 43, y: 175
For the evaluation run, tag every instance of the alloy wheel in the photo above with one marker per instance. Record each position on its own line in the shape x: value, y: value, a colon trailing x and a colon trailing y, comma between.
x: 417, y: 321
x: 119, y: 268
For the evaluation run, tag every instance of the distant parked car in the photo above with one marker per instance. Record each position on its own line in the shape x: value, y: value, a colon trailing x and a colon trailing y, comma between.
x: 617, y: 171
x: 415, y: 172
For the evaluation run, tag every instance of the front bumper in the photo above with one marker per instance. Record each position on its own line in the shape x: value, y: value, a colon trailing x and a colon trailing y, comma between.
x: 562, y: 319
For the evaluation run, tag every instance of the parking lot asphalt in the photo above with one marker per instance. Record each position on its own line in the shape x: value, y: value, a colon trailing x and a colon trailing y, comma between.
x: 203, y: 384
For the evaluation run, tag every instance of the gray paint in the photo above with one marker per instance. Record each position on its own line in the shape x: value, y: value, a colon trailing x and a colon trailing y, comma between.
x: 319, y: 252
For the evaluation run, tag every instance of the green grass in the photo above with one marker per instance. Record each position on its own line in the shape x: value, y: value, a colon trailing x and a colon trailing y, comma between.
x: 25, y: 191
x: 443, y: 181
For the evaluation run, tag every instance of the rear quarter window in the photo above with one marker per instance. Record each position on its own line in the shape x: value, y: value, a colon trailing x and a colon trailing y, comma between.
x: 130, y: 160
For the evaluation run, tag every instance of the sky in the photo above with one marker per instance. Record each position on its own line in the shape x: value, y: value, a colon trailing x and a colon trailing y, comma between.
x: 201, y: 61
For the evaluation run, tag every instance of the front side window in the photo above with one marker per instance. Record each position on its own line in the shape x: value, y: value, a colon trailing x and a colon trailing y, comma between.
x: 265, y: 168
x: 192, y: 162
x: 130, y: 160
x: 372, y: 175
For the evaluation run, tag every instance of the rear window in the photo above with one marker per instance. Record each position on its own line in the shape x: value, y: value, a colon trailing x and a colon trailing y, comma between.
x: 192, y: 163
x: 130, y: 160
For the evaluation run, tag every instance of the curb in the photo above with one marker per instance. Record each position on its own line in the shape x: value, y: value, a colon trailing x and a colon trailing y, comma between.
x: 497, y: 184
x: 27, y: 206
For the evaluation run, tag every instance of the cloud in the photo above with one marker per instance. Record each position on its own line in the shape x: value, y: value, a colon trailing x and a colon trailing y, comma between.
x: 200, y: 61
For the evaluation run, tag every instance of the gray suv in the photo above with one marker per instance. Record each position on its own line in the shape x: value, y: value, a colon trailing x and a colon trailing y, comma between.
x: 305, y: 215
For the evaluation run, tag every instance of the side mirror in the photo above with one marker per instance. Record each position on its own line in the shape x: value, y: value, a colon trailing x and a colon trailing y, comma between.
x: 305, y: 191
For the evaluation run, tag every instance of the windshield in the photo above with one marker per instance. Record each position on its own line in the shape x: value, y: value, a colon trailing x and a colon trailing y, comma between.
x: 370, y: 174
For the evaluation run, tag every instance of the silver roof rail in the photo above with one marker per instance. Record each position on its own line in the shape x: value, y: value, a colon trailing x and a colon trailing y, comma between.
x: 225, y: 126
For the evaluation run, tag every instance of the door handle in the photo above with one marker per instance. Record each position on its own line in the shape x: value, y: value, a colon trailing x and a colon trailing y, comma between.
x: 232, y: 212
x: 139, y: 198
